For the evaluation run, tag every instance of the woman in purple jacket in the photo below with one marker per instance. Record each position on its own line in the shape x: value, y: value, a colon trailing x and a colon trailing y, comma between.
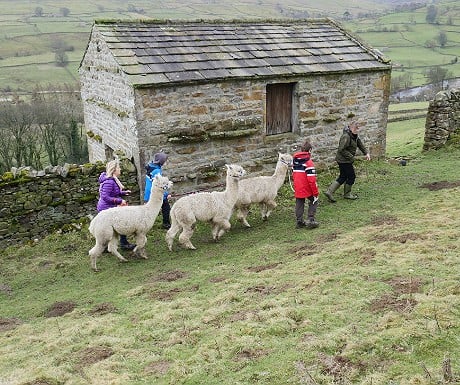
x: 111, y: 191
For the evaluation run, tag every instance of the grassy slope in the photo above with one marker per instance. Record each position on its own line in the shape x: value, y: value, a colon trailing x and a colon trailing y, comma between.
x: 25, y: 39
x: 370, y: 297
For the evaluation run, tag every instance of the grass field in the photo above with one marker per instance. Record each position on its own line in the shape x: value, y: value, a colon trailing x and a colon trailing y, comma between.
x: 27, y: 39
x: 369, y: 297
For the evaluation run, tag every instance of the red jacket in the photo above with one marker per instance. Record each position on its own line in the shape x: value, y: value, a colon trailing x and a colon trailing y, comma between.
x: 304, y: 175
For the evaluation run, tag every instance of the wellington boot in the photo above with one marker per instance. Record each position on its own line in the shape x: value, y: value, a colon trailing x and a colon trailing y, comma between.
x: 347, y: 194
x: 312, y: 224
x: 330, y: 191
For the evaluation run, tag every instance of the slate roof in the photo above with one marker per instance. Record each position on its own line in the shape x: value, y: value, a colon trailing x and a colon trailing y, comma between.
x: 165, y: 52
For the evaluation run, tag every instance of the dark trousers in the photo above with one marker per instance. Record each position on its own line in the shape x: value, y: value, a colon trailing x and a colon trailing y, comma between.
x: 165, y: 210
x: 300, y: 208
x: 123, y: 240
x: 347, y: 173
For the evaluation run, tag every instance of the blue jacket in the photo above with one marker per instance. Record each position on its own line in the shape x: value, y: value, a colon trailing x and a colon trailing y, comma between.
x: 156, y: 169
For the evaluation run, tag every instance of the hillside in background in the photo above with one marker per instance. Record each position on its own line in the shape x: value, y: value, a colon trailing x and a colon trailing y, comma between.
x: 42, y: 42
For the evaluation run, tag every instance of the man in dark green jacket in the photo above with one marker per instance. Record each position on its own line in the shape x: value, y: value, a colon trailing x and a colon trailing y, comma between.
x: 348, y: 144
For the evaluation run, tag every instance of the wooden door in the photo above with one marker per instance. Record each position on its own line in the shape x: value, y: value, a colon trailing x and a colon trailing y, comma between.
x: 279, y: 108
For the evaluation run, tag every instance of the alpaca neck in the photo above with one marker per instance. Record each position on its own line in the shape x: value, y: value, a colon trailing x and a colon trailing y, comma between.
x: 154, y: 200
x: 280, y: 173
x: 231, y: 189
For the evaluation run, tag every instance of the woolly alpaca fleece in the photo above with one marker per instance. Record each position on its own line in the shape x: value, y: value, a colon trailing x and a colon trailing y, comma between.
x: 215, y: 207
x: 262, y: 190
x: 108, y: 224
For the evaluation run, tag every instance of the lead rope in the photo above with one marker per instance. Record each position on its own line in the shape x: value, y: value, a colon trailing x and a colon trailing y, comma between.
x: 290, y: 181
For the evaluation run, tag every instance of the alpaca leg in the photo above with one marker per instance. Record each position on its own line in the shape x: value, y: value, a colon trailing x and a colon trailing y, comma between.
x: 141, y: 241
x: 223, y: 227
x: 269, y: 207
x: 113, y: 248
x: 184, y: 238
x: 242, y: 214
x: 215, y: 230
x: 95, y: 252
x: 170, y: 235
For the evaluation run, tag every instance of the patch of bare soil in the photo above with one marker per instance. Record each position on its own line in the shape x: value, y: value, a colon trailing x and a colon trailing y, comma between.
x: 258, y: 269
x: 367, y: 254
x: 6, y: 289
x: 405, y: 285
x: 304, y: 248
x: 402, y: 238
x: 170, y: 276
x: 103, y: 308
x: 217, y: 279
x: 239, y: 316
x: 384, y: 220
x: 338, y: 366
x: 9, y: 323
x: 324, y: 238
x: 251, y: 354
x: 60, y: 308
x: 392, y: 302
x: 169, y: 295
x: 90, y: 356
x: 261, y: 289
x: 434, y: 186
x: 43, y: 381
x: 157, y: 368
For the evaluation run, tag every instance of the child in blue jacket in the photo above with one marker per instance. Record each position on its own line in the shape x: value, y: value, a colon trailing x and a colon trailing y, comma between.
x: 154, y: 168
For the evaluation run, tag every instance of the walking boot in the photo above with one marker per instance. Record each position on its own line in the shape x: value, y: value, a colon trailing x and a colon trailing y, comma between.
x: 347, y: 194
x: 330, y: 190
x: 301, y: 224
x: 312, y: 224
x: 124, y: 244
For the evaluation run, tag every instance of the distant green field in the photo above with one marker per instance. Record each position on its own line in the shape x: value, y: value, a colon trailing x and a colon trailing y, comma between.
x: 26, y: 40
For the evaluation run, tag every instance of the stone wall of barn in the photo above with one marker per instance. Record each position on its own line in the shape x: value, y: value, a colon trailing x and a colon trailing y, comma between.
x: 202, y: 127
x: 443, y: 119
x: 108, y: 103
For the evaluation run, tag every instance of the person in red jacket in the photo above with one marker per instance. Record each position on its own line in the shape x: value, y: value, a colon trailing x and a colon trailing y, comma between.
x: 305, y: 187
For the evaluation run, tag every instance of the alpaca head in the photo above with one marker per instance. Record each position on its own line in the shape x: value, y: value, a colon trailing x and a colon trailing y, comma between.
x: 161, y: 182
x: 285, y: 159
x: 235, y: 171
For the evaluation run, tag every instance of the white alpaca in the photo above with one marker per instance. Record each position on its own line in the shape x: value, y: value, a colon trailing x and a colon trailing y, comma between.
x: 108, y: 224
x: 215, y: 207
x: 262, y: 190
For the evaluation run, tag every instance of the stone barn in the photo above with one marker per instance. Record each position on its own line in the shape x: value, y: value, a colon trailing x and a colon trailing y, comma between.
x: 216, y: 92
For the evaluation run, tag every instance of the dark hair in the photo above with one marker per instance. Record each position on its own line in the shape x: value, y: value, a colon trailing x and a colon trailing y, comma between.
x: 306, y: 146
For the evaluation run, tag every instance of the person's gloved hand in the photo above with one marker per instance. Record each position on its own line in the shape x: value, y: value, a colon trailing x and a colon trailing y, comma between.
x: 315, y: 199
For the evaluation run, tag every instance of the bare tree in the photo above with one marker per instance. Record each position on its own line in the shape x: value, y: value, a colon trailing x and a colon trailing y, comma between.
x: 431, y: 14
x: 436, y: 75
x: 20, y: 140
x: 442, y: 39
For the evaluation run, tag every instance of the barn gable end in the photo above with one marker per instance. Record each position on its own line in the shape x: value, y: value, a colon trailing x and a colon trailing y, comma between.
x: 210, y: 93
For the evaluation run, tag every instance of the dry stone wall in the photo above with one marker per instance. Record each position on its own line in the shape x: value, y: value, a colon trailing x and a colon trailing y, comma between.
x: 443, y: 119
x: 35, y: 203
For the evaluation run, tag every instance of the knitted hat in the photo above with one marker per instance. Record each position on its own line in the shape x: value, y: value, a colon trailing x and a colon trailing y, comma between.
x: 160, y: 158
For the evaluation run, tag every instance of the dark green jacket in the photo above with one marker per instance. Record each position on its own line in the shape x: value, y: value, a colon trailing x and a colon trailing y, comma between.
x: 347, y: 147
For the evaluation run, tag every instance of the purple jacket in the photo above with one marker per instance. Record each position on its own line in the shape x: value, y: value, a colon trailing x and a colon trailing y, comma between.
x: 109, y: 193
